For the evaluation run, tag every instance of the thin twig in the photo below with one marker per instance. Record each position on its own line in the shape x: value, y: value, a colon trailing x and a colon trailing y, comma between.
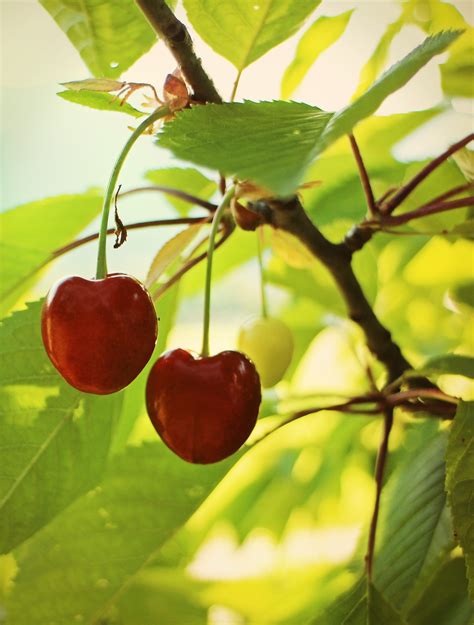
x: 420, y: 393
x: 364, y: 177
x: 346, y: 407
x: 423, y: 211
x: 379, y: 474
x: 181, y: 195
x: 178, y: 221
x: 390, y: 191
x: 407, y: 188
x: 189, y: 265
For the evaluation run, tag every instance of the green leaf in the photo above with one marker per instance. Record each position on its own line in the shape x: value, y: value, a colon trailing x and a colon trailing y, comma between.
x: 417, y: 530
x: 162, y: 596
x: 94, y: 549
x: 375, y: 64
x: 28, y: 238
x: 244, y: 30
x: 464, y: 294
x: 393, y: 79
x: 321, y: 35
x: 171, y: 251
x: 464, y: 159
x: 271, y: 143
x: 94, y: 84
x: 464, y: 230
x: 100, y: 101
x: 361, y: 605
x: 445, y: 601
x: 110, y: 37
x: 452, y: 364
x: 460, y: 482
x: 189, y: 180
x: 54, y: 440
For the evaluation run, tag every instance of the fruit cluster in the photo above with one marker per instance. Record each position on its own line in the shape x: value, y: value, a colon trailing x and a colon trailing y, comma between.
x: 100, y: 334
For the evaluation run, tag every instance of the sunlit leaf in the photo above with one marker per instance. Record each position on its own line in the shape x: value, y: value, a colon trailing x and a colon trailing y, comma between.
x: 171, y: 251
x: 460, y: 482
x: 109, y: 37
x: 28, y: 238
x: 393, y: 79
x: 100, y: 101
x: 94, y: 84
x: 321, y: 35
x: 244, y: 30
x: 92, y: 551
x: 54, y: 440
x: 274, y: 154
x: 445, y: 601
x: 376, y: 63
x: 452, y: 364
x: 464, y: 159
x: 417, y: 529
x: 361, y: 605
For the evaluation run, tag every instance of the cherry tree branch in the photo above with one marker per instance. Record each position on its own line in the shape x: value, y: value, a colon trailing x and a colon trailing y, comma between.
x: 176, y: 36
x: 289, y: 215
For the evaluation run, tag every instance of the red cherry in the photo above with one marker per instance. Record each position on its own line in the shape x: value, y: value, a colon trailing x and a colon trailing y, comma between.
x: 99, y: 334
x: 204, y: 409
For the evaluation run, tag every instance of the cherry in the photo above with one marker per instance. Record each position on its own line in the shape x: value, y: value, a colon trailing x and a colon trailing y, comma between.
x: 204, y: 408
x: 99, y: 334
x: 269, y: 343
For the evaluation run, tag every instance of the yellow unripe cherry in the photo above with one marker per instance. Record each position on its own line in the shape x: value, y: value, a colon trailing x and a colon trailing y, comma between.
x: 269, y: 344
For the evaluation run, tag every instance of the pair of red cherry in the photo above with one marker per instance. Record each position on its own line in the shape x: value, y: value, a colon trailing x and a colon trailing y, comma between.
x: 99, y: 334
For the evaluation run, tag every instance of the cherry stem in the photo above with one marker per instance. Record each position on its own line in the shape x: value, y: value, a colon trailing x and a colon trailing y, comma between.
x: 101, y: 271
x: 379, y: 475
x: 210, y: 253
x: 263, y: 295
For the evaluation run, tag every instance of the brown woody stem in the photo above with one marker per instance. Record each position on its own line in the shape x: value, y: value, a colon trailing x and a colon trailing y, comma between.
x: 289, y: 215
x: 177, y: 38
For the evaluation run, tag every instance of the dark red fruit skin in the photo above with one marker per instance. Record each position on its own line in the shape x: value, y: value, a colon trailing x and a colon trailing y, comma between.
x: 204, y: 409
x: 99, y: 334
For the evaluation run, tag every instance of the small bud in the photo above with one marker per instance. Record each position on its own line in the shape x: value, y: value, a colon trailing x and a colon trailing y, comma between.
x: 244, y: 217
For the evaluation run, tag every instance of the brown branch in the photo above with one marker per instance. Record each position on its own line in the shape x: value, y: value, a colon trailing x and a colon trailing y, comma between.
x: 181, y: 195
x: 407, y: 188
x: 364, y: 177
x: 379, y: 474
x: 289, y: 215
x: 177, y: 38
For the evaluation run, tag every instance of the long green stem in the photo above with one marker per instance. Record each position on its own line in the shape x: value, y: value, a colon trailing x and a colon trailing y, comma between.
x: 101, y: 271
x: 263, y: 296
x: 207, y: 289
